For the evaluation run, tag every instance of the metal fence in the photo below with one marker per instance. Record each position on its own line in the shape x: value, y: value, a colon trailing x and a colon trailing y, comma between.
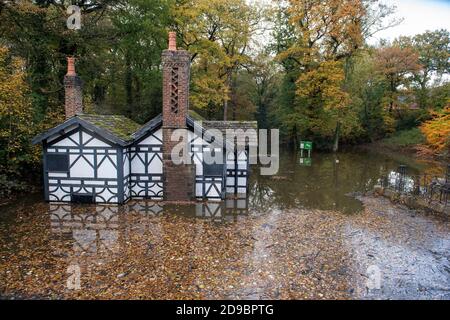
x: 431, y: 187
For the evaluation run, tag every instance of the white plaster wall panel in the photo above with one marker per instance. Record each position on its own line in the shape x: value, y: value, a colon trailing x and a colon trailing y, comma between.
x: 242, y: 165
x: 71, y: 141
x: 137, y: 163
x: 156, y: 165
x: 242, y: 155
x: 57, y: 174
x: 95, y: 182
x: 57, y: 193
x: 81, y: 167
x: 85, y: 137
x: 106, y: 167
x: 198, y: 189
x: 77, y: 182
x: 137, y: 189
x: 126, y: 163
x: 96, y: 143
x: 230, y: 165
x: 212, y: 192
x: 155, y: 138
x: 156, y: 189
x: 83, y: 190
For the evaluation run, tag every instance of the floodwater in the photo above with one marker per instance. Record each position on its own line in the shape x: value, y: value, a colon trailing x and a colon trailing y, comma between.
x: 310, y: 232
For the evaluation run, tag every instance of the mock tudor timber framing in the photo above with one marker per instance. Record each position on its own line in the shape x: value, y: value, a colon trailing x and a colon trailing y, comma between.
x: 112, y: 159
x: 130, y: 183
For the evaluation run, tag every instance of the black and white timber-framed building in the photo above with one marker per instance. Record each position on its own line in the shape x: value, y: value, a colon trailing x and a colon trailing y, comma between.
x: 111, y: 159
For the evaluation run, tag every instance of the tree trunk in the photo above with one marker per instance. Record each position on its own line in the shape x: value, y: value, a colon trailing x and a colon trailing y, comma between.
x: 225, y: 101
x: 225, y: 109
x: 336, y: 137
x: 128, y: 85
x: 137, y: 102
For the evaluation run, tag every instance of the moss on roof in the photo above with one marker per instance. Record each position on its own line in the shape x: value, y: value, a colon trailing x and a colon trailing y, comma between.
x: 194, y: 115
x: 117, y: 125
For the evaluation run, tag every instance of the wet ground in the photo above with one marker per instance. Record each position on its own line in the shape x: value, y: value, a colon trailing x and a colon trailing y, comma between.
x: 304, y: 234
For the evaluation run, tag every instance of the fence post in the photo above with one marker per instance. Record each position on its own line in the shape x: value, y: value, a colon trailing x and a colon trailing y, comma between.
x: 402, y: 172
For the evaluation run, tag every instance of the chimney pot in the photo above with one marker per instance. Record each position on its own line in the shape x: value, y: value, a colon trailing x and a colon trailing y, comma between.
x: 71, y: 66
x: 172, y: 41
x: 73, y: 90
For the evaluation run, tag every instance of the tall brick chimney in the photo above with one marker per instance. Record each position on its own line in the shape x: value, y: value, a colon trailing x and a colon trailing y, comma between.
x: 179, y: 180
x: 176, y: 65
x: 73, y: 90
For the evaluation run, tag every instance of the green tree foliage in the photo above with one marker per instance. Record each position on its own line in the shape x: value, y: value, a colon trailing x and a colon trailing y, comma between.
x: 324, y: 35
x: 433, y: 50
x: 37, y: 32
x: 367, y: 89
x: 218, y: 35
x: 131, y: 83
x: 16, y: 124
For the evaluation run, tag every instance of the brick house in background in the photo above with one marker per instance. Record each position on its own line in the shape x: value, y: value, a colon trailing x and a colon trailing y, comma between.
x: 95, y: 158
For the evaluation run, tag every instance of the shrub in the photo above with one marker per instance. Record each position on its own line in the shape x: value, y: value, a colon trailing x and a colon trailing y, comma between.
x: 406, y: 138
x: 437, y: 130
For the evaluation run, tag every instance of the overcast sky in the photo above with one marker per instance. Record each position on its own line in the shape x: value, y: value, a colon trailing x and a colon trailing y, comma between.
x: 419, y: 16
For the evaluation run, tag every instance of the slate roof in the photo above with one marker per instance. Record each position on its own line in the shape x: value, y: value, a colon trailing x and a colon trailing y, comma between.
x: 115, y: 128
x: 249, y: 127
x: 224, y: 125
x: 117, y: 125
x: 123, y: 131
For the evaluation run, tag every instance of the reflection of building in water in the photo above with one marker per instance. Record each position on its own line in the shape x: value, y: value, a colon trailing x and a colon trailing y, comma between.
x: 87, y: 237
x: 216, y: 211
x: 92, y: 233
x: 223, y: 211
x: 146, y: 207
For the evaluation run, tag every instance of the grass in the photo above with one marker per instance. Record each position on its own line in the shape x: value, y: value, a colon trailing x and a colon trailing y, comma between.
x: 405, y: 138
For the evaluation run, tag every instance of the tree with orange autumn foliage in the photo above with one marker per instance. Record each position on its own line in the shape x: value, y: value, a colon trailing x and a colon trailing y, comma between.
x: 397, y: 65
x: 326, y: 33
x: 437, y: 131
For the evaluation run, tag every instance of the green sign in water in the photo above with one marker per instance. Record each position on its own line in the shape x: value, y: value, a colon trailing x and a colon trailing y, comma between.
x: 305, y: 145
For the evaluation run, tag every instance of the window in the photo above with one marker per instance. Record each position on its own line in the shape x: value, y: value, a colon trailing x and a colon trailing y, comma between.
x: 58, y: 162
x: 82, y: 198
x: 213, y: 169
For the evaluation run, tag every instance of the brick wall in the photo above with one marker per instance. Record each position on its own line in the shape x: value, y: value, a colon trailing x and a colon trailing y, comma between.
x: 73, y: 90
x: 175, y: 87
x: 179, y: 180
